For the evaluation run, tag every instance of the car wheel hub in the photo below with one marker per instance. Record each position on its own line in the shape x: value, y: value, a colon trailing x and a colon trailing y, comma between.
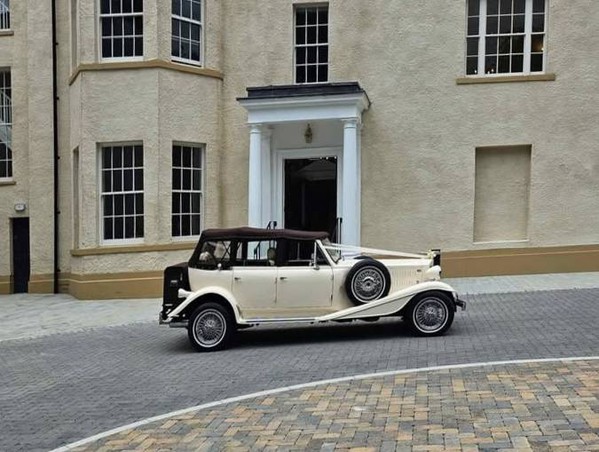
x: 430, y: 315
x: 210, y: 328
x: 369, y: 284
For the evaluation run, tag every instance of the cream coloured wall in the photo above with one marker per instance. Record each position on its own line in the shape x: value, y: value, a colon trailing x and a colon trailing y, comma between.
x: 421, y: 132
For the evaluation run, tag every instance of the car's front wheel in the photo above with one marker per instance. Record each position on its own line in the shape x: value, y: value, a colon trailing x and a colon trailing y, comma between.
x: 430, y: 314
x: 211, y: 328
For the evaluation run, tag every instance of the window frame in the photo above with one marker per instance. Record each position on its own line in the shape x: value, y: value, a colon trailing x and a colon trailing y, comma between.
x: 5, y: 16
x: 176, y: 59
x: 527, y: 34
x: 202, y: 148
x: 101, y: 36
x: 124, y: 241
x: 9, y: 106
x: 307, y: 6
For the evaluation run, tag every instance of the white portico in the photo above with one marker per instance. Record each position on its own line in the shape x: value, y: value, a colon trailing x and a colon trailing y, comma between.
x: 304, y: 157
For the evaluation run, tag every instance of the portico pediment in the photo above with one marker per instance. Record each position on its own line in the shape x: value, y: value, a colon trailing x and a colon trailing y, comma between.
x: 292, y: 103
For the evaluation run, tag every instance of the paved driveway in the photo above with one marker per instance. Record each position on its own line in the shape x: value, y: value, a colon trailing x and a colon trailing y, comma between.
x: 60, y: 388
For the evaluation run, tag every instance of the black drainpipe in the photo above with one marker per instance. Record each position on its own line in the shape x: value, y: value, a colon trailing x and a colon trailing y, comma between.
x: 56, y: 156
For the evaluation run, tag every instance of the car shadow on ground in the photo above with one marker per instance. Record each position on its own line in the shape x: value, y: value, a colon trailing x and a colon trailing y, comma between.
x: 263, y: 336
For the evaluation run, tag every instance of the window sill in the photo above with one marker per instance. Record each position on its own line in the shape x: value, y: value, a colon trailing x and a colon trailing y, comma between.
x: 107, y: 65
x: 506, y: 79
x: 125, y: 249
x: 6, y: 33
x: 7, y: 182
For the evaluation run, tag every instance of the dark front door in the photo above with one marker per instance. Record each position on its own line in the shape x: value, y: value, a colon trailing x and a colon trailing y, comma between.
x: 311, y: 194
x: 20, y: 254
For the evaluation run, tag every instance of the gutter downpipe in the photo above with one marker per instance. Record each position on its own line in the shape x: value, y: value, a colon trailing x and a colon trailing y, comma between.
x: 55, y: 133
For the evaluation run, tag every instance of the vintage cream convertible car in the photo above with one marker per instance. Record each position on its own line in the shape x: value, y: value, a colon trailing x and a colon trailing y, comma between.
x: 237, y: 278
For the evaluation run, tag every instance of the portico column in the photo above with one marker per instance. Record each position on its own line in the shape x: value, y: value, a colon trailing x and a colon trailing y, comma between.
x: 350, y: 227
x: 255, y: 177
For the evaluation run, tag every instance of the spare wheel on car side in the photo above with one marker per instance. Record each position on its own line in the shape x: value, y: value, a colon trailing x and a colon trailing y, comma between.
x: 367, y: 280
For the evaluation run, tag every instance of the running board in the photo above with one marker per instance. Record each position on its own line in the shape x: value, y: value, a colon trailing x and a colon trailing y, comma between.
x: 281, y: 320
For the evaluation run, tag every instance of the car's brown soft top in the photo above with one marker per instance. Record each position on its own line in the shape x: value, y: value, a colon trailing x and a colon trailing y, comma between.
x: 248, y: 233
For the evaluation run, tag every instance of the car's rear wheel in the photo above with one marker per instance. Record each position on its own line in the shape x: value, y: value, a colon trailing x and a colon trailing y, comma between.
x: 367, y: 280
x: 430, y: 313
x: 211, y: 328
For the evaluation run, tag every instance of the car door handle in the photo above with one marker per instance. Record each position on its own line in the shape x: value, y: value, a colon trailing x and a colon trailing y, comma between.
x: 283, y: 278
x: 237, y: 278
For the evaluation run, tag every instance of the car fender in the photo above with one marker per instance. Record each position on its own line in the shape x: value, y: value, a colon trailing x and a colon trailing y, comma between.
x: 191, y: 297
x: 391, y: 304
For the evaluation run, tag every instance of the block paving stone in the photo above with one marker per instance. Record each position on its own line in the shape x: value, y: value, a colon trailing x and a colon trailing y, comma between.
x: 535, y: 406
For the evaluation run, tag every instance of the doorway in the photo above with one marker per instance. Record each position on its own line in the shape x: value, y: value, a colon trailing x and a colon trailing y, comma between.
x: 21, y: 264
x: 310, y: 193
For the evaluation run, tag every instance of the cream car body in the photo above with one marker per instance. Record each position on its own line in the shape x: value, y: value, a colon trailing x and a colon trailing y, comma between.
x: 291, y: 287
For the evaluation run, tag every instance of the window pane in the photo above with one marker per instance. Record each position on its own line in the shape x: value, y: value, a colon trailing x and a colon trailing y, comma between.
x: 106, y: 27
x: 186, y: 10
x: 117, y: 47
x: 518, y: 44
x: 108, y: 207
x: 130, y: 227
x: 519, y: 6
x: 323, y: 16
x: 139, y: 179
x: 492, y: 25
x: 491, y: 46
x: 139, y: 203
x: 186, y: 225
x: 108, y: 229
x: 323, y: 54
x: 504, y: 45
x: 473, y: 7
x: 311, y: 54
x: 505, y: 24
x: 323, y: 73
x: 311, y: 17
x: 536, y: 62
x: 138, y: 6
x: 311, y: 39
x: 185, y: 29
x: 105, y: 7
x: 196, y: 11
x: 300, y: 16
x: 106, y: 48
x: 176, y: 203
x: 128, y: 180
x: 116, y: 6
x: 195, y: 52
x: 127, y: 5
x: 195, y: 203
x: 185, y: 203
x: 490, y: 65
x: 517, y: 63
x: 504, y: 64
x: 197, y: 180
x: 300, y: 35
x: 128, y: 25
x: 195, y: 32
x: 472, y: 65
x: 506, y: 7
x: 519, y: 23
x: 472, y: 46
x: 139, y: 226
x: 538, y: 23
x: 176, y: 5
x: 139, y: 156
x: 195, y: 225
x: 128, y: 50
x: 311, y: 73
x: 139, y: 47
x: 106, y: 181
x: 176, y: 226
x: 119, y: 204
x: 118, y: 228
x: 473, y: 26
x: 493, y: 7
x: 197, y: 158
x: 300, y: 75
x: 129, y: 204
x: 538, y: 6
x: 536, y: 44
x: 323, y: 34
x: 186, y: 179
x: 185, y: 49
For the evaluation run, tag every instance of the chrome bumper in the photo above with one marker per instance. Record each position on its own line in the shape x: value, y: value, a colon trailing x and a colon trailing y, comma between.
x: 460, y: 303
x: 169, y: 322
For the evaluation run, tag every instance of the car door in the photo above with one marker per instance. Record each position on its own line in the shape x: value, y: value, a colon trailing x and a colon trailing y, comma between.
x: 301, y: 285
x: 254, y: 278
